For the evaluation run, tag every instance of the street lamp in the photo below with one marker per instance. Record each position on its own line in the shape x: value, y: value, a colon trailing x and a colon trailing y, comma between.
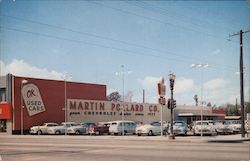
x: 201, y: 66
x: 24, y: 81
x: 122, y: 72
x: 65, y: 101
x: 171, y: 77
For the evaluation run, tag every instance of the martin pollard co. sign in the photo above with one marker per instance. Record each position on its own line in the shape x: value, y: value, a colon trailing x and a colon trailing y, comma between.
x: 98, y: 111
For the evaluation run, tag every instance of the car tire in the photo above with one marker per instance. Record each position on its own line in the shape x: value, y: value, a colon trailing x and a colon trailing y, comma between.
x: 138, y: 134
x: 39, y: 132
x: 57, y: 132
x: 150, y: 133
x: 77, y: 132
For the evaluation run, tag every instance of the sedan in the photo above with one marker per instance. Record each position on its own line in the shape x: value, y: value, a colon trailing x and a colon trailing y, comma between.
x: 153, y: 128
x: 180, y: 128
x: 203, y: 127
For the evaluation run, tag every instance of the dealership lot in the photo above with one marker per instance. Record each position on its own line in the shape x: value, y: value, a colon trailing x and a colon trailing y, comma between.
x: 127, y: 148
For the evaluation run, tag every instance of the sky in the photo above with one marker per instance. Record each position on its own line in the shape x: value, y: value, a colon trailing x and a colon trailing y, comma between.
x: 90, y: 41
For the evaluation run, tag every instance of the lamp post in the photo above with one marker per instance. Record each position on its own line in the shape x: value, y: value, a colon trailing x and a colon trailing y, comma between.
x: 122, y: 66
x: 24, y: 81
x: 123, y: 72
x: 171, y: 77
x: 65, y: 101
x: 201, y: 66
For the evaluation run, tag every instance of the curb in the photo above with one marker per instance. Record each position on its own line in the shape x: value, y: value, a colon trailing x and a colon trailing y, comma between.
x: 228, y: 141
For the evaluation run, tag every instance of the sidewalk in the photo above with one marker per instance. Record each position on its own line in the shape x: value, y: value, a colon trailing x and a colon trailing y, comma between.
x: 219, y: 138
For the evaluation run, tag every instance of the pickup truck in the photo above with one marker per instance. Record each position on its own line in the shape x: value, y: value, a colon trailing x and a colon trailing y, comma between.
x: 42, y: 129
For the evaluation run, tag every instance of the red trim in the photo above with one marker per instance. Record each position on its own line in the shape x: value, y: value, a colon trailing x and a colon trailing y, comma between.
x: 5, y: 111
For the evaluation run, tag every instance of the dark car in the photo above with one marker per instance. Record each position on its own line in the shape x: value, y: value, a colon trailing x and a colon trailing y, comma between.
x: 88, y: 125
x: 99, y: 129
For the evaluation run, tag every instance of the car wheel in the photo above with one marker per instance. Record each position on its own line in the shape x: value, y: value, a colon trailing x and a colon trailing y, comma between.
x: 78, y: 132
x: 58, y: 132
x: 138, y: 134
x: 97, y: 133
x: 150, y: 133
x: 39, y: 132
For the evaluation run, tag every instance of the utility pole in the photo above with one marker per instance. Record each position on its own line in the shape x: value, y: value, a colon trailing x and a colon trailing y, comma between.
x: 241, y: 81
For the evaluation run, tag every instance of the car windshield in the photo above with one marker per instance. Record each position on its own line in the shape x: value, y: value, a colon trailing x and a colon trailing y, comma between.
x: 75, y: 124
x: 203, y: 123
x: 179, y: 124
x: 155, y: 124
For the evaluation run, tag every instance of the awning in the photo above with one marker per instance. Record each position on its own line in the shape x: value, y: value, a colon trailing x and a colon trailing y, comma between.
x: 5, y: 111
x: 206, y: 114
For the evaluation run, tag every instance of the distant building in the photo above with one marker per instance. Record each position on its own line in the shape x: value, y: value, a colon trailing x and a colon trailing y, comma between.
x: 193, y: 113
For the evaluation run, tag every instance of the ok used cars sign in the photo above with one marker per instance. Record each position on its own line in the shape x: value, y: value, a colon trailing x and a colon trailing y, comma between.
x: 32, y: 99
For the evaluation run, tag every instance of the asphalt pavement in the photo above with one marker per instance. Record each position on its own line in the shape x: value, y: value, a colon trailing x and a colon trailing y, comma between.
x: 122, y: 148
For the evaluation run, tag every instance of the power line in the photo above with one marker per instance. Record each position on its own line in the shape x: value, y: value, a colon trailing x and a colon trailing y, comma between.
x: 102, y: 46
x: 163, y: 11
x: 89, y: 43
x: 154, y: 19
x: 96, y: 36
x: 102, y: 37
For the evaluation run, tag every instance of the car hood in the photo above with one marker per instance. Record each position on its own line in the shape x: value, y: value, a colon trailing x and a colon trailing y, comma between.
x: 35, y: 127
x: 57, y: 127
x: 144, y: 126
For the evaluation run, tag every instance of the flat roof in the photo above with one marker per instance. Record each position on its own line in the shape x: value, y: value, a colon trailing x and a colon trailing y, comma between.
x: 205, y: 114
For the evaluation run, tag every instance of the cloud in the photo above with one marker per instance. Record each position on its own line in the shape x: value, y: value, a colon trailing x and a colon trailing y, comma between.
x: 184, y: 85
x: 149, y: 82
x: 21, y: 68
x: 216, y: 52
x: 215, y: 84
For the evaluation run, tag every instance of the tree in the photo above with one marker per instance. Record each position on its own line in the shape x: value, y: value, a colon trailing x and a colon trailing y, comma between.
x: 114, y: 96
x: 209, y: 104
x: 232, y: 110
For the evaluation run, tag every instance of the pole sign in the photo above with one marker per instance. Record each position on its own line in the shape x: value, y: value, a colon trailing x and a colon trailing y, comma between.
x: 161, y: 91
x: 161, y: 87
x: 32, y: 99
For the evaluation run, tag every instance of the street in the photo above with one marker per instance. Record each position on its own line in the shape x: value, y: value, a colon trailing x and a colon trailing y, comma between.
x: 117, y: 148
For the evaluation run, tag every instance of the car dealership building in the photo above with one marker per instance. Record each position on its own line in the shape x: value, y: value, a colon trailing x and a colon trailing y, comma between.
x: 45, y: 100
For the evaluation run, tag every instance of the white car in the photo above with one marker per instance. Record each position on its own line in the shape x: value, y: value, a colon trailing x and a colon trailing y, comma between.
x: 76, y: 129
x: 180, y: 128
x: 42, y: 129
x: 222, y: 128
x: 153, y: 128
x: 60, y: 129
x: 117, y: 126
x: 203, y: 127
x: 235, y: 125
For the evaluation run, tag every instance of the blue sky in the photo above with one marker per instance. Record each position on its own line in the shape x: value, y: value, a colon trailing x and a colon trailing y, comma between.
x: 90, y: 40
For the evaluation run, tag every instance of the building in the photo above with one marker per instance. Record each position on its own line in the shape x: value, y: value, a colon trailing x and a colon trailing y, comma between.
x: 193, y: 113
x: 45, y: 100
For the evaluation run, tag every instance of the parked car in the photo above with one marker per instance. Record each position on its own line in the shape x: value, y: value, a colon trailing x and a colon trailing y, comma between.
x: 235, y: 125
x: 154, y: 128
x: 116, y: 127
x: 42, y: 129
x: 60, y: 129
x: 99, y: 129
x: 76, y: 129
x: 180, y: 128
x: 87, y: 126
x: 203, y: 127
x: 222, y: 128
